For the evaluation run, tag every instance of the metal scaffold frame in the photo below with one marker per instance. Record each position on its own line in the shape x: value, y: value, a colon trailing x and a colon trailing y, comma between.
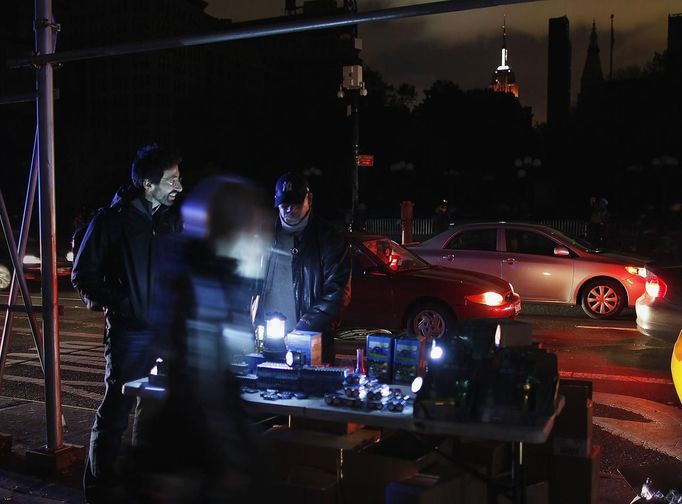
x: 43, y: 62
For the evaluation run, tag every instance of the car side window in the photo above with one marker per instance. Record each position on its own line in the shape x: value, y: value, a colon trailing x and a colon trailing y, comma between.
x: 361, y: 263
x: 474, y: 239
x: 528, y: 242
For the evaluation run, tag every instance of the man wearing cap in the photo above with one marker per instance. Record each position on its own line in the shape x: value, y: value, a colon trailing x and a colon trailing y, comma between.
x: 307, y: 277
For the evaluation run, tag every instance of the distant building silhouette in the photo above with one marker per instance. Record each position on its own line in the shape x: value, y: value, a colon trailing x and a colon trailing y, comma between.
x: 592, y: 77
x: 504, y: 80
x: 558, y: 74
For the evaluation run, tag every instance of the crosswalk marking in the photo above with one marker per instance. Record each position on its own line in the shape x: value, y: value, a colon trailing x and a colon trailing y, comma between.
x: 68, y: 367
x: 630, y: 329
x: 95, y: 396
x: 75, y: 334
x: 64, y: 358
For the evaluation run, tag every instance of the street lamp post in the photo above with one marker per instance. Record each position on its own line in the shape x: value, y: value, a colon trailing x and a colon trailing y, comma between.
x: 353, y: 84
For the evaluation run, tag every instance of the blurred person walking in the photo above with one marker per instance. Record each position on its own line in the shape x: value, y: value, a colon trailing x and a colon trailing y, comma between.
x: 114, y: 271
x: 199, y: 446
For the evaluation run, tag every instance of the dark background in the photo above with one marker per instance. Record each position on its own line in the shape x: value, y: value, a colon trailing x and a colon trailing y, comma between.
x: 260, y: 107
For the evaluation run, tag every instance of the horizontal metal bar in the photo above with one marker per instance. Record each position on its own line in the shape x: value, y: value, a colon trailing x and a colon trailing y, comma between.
x: 265, y: 30
x: 22, y: 309
x: 23, y: 98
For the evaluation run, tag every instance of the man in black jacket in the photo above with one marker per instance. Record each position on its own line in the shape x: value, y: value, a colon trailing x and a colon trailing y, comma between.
x: 115, y: 271
x: 308, y: 271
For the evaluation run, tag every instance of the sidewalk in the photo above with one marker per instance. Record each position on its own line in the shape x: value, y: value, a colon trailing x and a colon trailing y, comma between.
x: 25, y: 422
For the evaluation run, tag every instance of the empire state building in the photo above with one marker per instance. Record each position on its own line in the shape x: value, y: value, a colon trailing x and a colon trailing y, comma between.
x: 504, y: 80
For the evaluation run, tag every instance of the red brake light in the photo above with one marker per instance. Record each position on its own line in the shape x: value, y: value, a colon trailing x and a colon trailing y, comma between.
x: 487, y: 298
x: 656, y: 288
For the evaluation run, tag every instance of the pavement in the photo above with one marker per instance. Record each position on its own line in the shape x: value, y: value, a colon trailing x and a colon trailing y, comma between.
x: 24, y: 421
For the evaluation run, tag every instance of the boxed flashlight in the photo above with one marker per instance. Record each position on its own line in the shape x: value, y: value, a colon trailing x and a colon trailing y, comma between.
x: 308, y: 343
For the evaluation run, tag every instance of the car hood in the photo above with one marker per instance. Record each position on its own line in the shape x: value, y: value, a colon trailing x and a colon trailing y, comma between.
x: 477, y: 280
x: 615, y: 257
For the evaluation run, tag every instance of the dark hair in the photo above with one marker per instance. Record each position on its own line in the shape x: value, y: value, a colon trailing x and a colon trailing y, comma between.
x: 150, y: 163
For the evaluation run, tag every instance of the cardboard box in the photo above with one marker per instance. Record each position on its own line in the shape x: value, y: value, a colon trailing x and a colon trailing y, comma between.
x: 572, y: 433
x: 288, y: 448
x: 367, y: 472
x: 477, y: 491
x: 405, y: 360
x: 308, y: 343
x: 511, y: 333
x: 423, y: 489
x: 379, y: 352
x: 327, y: 426
x: 536, y: 493
x: 536, y: 461
x: 307, y: 485
x: 575, y: 479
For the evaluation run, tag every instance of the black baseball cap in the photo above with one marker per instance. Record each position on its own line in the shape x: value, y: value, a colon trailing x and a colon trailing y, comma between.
x: 291, y: 189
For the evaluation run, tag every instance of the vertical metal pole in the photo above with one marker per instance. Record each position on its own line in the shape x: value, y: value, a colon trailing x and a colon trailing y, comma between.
x: 21, y: 250
x: 355, y: 139
x: 48, y: 228
x: 611, y: 51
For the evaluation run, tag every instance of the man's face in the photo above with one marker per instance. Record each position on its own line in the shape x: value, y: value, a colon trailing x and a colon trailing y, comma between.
x: 292, y: 214
x: 166, y: 190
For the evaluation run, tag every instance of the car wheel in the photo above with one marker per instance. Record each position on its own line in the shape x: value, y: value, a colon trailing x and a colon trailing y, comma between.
x: 430, y: 321
x: 5, y: 277
x: 603, y: 298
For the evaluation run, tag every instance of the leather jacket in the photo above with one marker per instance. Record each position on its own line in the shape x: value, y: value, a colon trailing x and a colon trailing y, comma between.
x: 321, y: 270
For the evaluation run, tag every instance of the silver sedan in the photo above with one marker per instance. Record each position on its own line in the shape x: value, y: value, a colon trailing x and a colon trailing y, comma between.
x: 543, y: 264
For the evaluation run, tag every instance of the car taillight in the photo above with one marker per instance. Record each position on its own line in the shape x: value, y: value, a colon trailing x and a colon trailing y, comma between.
x: 487, y: 298
x: 656, y: 288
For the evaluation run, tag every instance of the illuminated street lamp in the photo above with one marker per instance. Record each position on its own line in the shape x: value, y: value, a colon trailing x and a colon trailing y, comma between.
x: 352, y: 82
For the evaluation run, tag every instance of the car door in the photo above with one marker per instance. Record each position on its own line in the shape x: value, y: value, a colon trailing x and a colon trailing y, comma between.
x: 532, y: 267
x: 371, y: 303
x: 472, y: 250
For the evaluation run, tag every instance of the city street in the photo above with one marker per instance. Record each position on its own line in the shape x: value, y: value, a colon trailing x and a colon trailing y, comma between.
x: 633, y: 391
x: 611, y: 354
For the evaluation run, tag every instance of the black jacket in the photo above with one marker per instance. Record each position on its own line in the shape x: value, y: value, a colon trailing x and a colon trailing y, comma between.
x: 321, y: 271
x: 116, y: 263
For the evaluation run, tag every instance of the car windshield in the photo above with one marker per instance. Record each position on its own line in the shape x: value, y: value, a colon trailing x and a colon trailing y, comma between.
x: 579, y: 243
x: 395, y: 256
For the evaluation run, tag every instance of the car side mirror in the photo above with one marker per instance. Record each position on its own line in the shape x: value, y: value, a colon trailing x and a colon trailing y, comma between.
x: 561, y: 251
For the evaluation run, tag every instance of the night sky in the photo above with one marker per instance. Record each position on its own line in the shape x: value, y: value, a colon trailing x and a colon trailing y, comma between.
x: 465, y: 47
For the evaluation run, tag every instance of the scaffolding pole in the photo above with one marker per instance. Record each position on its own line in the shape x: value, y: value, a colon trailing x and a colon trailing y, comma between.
x: 18, y: 280
x: 44, y: 30
x: 249, y: 32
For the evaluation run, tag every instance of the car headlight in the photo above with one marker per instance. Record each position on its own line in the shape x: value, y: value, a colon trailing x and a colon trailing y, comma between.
x: 635, y: 270
x: 487, y: 298
x: 31, y: 259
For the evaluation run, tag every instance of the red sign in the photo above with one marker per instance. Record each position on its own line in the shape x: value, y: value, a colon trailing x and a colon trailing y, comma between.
x: 365, y: 160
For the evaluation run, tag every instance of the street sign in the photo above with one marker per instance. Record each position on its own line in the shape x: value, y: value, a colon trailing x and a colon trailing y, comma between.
x: 365, y: 160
